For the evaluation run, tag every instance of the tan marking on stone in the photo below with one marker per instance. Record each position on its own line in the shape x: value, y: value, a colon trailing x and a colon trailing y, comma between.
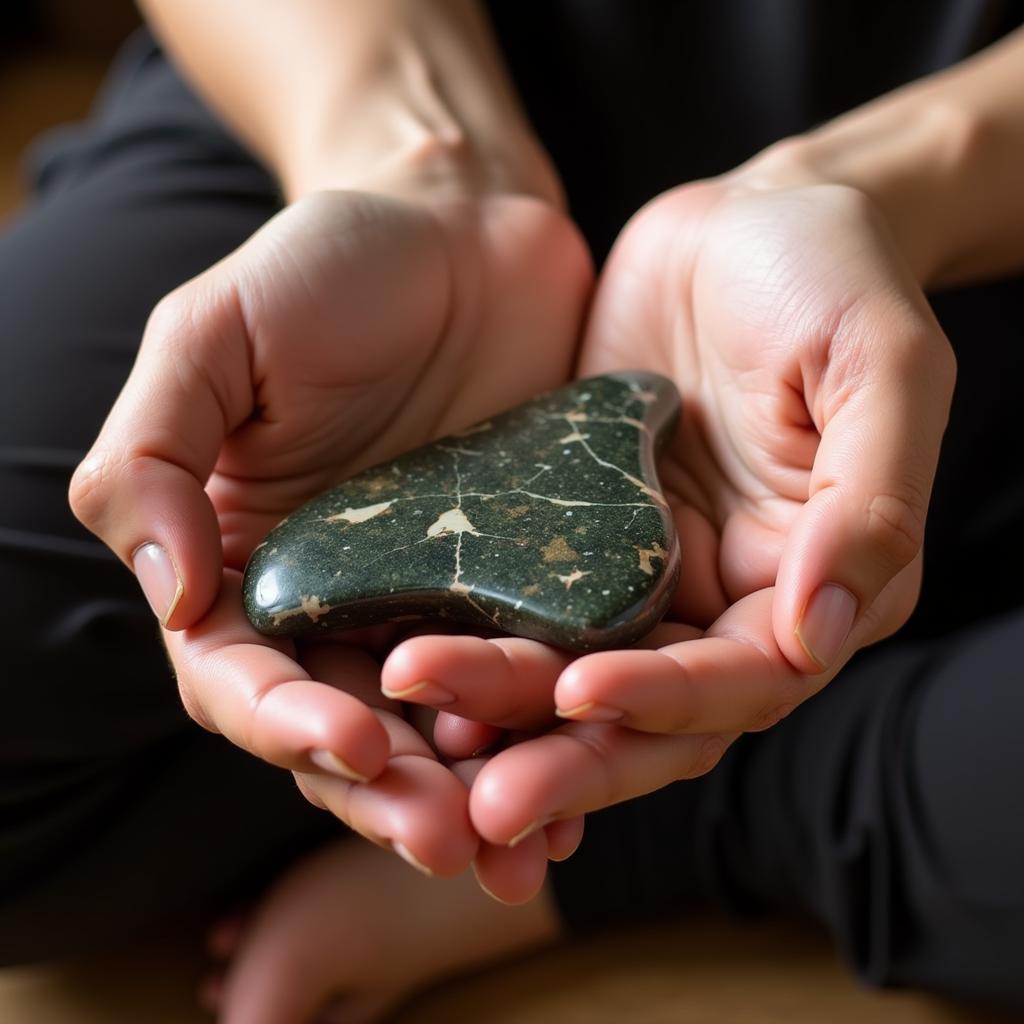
x: 558, y: 550
x: 359, y: 515
x: 574, y: 577
x: 377, y: 483
x: 452, y: 521
x: 577, y: 417
x: 533, y: 588
x: 458, y: 587
x: 574, y: 436
x: 580, y: 530
x: 517, y: 510
x: 309, y: 605
x: 646, y: 554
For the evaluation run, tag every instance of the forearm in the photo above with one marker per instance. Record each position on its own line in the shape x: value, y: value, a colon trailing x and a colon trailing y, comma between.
x: 360, y: 93
x: 943, y: 158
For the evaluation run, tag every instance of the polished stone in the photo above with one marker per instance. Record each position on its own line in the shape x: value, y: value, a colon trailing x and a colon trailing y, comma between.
x: 546, y: 521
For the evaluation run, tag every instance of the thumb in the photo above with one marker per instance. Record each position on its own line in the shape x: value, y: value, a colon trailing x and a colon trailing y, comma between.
x: 881, y: 405
x: 141, y: 487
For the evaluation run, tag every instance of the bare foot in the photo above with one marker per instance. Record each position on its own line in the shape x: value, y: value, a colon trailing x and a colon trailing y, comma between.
x: 350, y: 930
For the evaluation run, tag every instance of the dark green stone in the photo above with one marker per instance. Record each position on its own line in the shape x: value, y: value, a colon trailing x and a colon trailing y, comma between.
x: 546, y: 522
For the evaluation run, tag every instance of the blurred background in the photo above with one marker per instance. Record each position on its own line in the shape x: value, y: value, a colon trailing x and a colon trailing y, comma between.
x: 53, y: 54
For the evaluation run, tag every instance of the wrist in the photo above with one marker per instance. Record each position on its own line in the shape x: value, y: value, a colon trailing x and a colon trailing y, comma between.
x: 402, y: 128
x: 426, y: 167
x: 908, y: 154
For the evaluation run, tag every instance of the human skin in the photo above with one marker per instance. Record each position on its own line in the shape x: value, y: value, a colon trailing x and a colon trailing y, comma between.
x: 885, y: 188
x: 436, y: 280
x: 786, y: 301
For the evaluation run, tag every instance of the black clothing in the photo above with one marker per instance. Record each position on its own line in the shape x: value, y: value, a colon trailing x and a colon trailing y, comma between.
x: 888, y: 807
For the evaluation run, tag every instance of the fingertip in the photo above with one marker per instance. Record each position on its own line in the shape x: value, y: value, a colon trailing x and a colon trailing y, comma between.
x: 351, y: 743
x: 579, y: 684
x: 433, y: 658
x: 420, y: 806
x: 600, y: 686
x: 825, y: 624
x: 509, y: 797
x: 512, y: 876
x: 564, y: 837
x: 461, y: 738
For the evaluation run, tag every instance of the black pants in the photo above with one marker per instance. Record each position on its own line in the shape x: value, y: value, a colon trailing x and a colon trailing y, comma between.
x: 891, y: 807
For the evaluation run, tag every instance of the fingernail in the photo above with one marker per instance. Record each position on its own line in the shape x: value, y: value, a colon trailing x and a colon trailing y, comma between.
x: 591, y: 712
x: 493, y: 896
x: 534, y: 826
x: 409, y: 857
x: 328, y: 761
x: 826, y: 623
x: 425, y: 692
x: 159, y: 580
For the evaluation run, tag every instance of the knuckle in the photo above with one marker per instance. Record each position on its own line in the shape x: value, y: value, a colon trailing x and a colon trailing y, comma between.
x: 944, y: 370
x: 171, y: 315
x: 90, y: 487
x: 595, y: 743
x: 103, y: 474
x: 925, y: 356
x: 194, y: 708
x: 709, y: 753
x: 258, y: 709
x: 787, y: 697
x: 680, y: 713
x: 770, y: 716
x: 895, y: 527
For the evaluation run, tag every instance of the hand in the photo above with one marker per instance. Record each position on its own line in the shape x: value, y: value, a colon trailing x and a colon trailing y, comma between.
x: 350, y: 328
x: 816, y: 386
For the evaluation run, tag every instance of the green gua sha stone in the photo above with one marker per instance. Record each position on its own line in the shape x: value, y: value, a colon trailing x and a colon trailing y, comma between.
x: 545, y: 522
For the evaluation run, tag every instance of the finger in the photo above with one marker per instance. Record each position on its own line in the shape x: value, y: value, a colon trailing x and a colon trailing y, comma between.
x: 733, y: 679
x: 506, y: 681
x: 460, y: 738
x: 564, y: 837
x: 579, y: 768
x: 416, y: 806
x: 140, y: 488
x: 508, y: 875
x: 881, y: 406
x: 515, y: 875
x: 235, y: 682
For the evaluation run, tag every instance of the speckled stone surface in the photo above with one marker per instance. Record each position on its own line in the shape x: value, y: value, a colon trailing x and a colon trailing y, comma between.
x: 546, y: 522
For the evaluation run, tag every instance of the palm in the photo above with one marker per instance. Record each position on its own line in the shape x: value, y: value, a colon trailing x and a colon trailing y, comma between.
x: 815, y: 385
x: 740, y: 316
x: 372, y: 325
x: 349, y: 329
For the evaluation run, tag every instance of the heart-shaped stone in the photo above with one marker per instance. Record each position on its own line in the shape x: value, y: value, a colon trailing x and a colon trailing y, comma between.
x: 546, y: 522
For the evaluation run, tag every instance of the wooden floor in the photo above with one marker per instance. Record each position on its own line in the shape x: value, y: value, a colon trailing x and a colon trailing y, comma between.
x: 706, y: 972
x: 701, y: 972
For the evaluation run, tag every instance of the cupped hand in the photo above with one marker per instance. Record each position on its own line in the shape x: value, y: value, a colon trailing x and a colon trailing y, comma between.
x: 816, y: 385
x: 350, y: 328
